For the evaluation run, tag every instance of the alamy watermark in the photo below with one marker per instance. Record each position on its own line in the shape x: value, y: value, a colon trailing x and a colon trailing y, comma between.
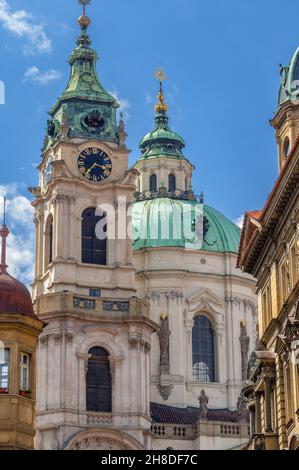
x: 159, y: 223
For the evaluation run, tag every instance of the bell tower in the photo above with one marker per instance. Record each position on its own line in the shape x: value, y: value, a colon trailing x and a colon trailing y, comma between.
x: 93, y: 356
x: 286, y: 119
x: 85, y: 163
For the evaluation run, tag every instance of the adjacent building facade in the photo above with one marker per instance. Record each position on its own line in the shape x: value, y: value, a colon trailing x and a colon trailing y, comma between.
x: 19, y: 330
x: 269, y: 251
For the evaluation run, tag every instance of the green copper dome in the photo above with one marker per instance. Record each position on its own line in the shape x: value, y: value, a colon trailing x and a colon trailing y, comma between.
x: 289, y: 88
x: 161, y: 141
x: 220, y: 234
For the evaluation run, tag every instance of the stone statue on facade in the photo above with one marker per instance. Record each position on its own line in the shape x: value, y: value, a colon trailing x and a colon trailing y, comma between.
x: 64, y: 126
x: 122, y: 135
x: 164, y: 345
x: 244, y: 341
x: 242, y: 410
x: 164, y: 387
x: 203, y: 406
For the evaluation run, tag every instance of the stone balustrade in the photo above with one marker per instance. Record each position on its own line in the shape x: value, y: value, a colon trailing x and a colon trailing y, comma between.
x: 171, y: 431
x: 204, y: 428
x: 71, y: 303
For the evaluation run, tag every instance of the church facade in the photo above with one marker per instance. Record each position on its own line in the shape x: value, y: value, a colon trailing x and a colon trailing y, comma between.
x: 269, y: 250
x: 147, y: 338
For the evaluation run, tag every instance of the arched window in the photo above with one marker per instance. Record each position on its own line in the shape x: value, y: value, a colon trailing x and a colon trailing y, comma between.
x: 203, y: 350
x: 286, y: 147
x: 98, y: 382
x: 51, y: 243
x: 94, y: 249
x: 49, y: 240
x: 171, y: 183
x: 153, y: 183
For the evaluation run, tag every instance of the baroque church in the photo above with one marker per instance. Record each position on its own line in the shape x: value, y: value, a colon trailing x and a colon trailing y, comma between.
x: 146, y: 337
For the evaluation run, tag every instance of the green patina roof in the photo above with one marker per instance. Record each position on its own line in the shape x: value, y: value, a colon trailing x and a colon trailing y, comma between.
x: 289, y: 88
x: 85, y: 107
x: 84, y: 82
x: 162, y: 141
x: 220, y: 234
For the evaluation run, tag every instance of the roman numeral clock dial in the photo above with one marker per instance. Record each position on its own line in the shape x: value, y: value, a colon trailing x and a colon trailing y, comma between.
x: 94, y: 164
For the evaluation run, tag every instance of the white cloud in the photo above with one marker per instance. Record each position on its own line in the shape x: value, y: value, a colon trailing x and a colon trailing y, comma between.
x: 239, y: 221
x: 21, y: 240
x: 21, y: 24
x: 124, y: 104
x: 43, y: 78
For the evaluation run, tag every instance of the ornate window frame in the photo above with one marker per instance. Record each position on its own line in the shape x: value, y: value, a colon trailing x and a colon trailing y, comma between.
x: 103, y: 338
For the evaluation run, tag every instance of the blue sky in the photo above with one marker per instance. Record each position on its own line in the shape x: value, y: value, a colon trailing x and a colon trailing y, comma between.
x: 222, y: 62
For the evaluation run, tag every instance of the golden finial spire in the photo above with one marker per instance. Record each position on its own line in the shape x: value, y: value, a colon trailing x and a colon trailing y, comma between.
x: 84, y: 21
x: 161, y: 106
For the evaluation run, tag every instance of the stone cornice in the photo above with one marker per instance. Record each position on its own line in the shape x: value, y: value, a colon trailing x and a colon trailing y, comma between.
x: 21, y: 322
x: 182, y: 274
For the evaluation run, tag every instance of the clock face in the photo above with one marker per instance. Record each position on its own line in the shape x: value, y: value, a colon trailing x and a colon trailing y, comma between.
x: 94, y: 164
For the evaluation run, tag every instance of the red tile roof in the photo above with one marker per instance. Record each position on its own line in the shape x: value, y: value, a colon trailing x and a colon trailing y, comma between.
x: 14, y: 297
x: 248, y: 235
x: 254, y: 214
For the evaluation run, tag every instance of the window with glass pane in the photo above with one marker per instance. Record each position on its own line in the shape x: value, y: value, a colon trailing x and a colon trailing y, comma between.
x: 153, y: 183
x: 203, y: 351
x: 51, y: 243
x: 94, y: 250
x: 98, y: 382
x: 25, y: 364
x: 4, y: 369
x: 171, y: 183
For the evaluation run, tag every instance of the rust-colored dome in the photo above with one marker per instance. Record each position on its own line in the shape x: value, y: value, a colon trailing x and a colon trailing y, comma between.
x: 14, y: 297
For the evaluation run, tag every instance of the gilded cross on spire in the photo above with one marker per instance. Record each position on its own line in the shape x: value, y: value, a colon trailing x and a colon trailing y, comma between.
x: 161, y: 106
x: 84, y: 3
x: 4, y: 232
x: 84, y: 21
